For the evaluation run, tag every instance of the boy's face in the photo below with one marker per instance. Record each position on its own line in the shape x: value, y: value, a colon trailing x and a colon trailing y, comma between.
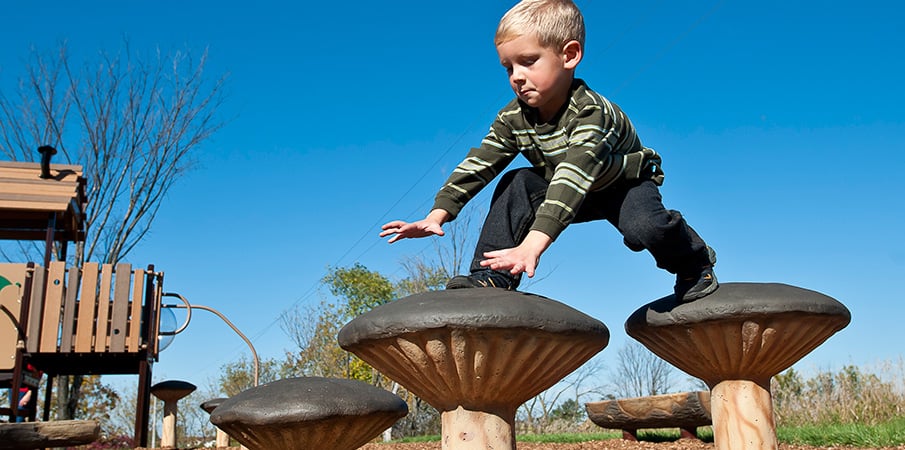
x: 539, y: 76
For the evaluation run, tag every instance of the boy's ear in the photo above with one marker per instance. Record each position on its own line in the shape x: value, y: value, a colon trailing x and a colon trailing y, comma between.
x: 571, y: 53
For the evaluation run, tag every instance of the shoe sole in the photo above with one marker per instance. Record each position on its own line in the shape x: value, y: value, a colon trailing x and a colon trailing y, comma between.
x: 688, y: 298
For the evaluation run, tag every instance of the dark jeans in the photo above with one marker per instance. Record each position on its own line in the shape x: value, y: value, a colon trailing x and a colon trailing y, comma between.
x: 635, y: 208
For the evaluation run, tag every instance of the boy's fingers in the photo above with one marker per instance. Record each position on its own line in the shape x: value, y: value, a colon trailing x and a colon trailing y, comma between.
x: 393, y: 224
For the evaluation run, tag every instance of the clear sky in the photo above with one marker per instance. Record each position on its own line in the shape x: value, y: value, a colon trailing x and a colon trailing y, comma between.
x: 781, y: 126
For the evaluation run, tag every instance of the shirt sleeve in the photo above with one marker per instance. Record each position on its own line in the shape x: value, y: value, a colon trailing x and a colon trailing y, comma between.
x: 479, y: 168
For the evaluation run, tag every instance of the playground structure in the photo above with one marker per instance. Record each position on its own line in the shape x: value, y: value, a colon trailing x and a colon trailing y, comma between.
x: 58, y: 320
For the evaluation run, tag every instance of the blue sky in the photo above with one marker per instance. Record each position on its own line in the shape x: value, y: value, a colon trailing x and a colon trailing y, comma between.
x: 780, y: 124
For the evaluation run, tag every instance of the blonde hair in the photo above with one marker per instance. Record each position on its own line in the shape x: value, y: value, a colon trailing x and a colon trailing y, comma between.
x: 555, y: 22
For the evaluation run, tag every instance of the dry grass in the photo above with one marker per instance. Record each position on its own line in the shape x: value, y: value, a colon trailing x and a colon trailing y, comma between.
x: 848, y: 396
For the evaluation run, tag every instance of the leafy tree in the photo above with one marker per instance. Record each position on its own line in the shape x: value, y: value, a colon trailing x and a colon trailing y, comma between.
x: 569, y: 410
x: 100, y: 399
x: 422, y: 277
x: 361, y: 289
x: 239, y: 375
x: 133, y: 122
x: 314, y: 329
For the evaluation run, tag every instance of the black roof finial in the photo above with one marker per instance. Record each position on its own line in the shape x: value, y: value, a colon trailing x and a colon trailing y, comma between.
x: 46, y: 152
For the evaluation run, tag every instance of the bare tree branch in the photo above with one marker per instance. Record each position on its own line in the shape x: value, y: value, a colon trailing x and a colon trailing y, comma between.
x: 640, y: 373
x: 136, y: 123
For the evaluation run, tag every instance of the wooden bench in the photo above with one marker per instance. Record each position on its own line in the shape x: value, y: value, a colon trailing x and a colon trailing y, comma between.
x: 686, y: 410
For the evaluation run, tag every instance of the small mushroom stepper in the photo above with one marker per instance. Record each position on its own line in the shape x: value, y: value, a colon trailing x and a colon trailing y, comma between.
x: 308, y: 413
x: 209, y: 407
x: 170, y: 391
x: 475, y: 354
x: 736, y: 340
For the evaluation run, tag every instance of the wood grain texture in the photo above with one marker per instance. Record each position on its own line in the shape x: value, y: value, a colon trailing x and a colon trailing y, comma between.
x: 61, y: 433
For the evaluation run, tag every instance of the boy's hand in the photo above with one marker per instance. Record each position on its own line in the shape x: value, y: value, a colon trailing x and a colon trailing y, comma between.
x: 523, y: 258
x: 429, y: 226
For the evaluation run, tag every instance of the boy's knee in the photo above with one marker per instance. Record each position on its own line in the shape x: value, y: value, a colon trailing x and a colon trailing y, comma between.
x: 641, y: 232
x: 525, y: 179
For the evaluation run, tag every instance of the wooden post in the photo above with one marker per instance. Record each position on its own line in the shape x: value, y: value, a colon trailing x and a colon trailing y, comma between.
x: 143, y: 402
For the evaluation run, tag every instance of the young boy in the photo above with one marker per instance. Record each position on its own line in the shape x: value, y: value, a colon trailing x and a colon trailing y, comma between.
x: 588, y: 164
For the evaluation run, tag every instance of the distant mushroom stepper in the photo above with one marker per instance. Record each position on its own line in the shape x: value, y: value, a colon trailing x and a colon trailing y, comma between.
x: 308, y: 413
x: 736, y: 340
x: 170, y: 391
x: 475, y: 354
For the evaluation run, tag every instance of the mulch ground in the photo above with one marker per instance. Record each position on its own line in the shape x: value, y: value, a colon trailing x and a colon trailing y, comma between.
x: 609, y: 444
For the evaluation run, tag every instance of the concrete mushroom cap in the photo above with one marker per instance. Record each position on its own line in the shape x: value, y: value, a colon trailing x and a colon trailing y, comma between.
x: 746, y: 331
x: 734, y: 300
x: 476, y: 348
x: 210, y: 405
x: 172, y: 390
x: 295, y: 400
x: 468, y: 309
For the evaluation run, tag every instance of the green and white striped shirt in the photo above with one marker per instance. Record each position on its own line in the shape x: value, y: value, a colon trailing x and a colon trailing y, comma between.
x: 590, y: 145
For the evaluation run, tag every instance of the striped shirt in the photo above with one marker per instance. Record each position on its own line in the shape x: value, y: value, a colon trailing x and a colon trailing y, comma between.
x: 590, y: 145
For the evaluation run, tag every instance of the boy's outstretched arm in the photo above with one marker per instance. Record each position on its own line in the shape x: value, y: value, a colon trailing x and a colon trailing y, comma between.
x: 429, y: 226
x: 523, y: 258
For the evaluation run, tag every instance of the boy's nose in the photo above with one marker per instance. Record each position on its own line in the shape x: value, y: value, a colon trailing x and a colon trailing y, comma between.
x: 517, y: 76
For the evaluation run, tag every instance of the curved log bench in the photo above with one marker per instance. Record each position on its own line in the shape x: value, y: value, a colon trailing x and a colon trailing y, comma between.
x: 736, y: 340
x: 59, y: 433
x: 685, y: 410
x: 308, y: 413
x: 475, y: 354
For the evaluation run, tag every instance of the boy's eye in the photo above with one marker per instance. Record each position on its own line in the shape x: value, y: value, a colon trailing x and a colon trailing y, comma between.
x: 528, y: 60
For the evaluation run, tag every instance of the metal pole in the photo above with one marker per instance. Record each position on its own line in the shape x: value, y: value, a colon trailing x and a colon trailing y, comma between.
x: 189, y: 306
